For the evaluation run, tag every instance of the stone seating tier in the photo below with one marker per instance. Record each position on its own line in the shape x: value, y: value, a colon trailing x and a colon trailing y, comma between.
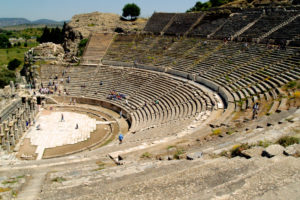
x: 182, y: 22
x: 231, y: 64
x: 255, y: 24
x: 158, y: 21
x: 177, y: 100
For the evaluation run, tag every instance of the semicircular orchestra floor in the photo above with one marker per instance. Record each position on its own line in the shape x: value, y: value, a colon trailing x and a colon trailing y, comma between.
x: 63, y: 131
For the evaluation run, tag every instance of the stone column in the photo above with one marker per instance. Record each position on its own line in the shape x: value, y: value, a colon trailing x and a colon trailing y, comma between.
x: 12, y: 87
x: 20, y: 130
x: 7, y: 139
x: 15, y: 129
x: 11, y: 133
x: 2, y: 138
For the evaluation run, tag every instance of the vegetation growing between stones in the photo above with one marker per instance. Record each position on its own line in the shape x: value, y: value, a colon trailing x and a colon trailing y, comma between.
x: 146, y: 155
x: 237, y: 150
x: 178, y: 153
x: 264, y: 144
x: 59, y: 179
x: 288, y: 140
x: 81, y: 46
x: 216, y: 131
x: 4, y: 189
x: 101, y: 166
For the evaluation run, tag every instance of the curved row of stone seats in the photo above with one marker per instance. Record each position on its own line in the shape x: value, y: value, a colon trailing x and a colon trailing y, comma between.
x: 178, y: 48
x: 48, y: 73
x: 155, y: 49
x: 267, y: 22
x: 197, y: 53
x: 182, y: 22
x: 288, y: 32
x: 209, y: 24
x: 153, y: 99
x: 263, y: 74
x: 249, y: 71
x: 158, y: 21
x: 249, y: 24
x: 119, y: 46
x: 176, y: 105
x: 236, y: 23
x: 138, y: 43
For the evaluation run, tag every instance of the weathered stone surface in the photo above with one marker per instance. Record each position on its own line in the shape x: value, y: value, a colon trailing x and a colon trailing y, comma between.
x: 103, y: 22
x: 292, y: 150
x: 253, y: 152
x: 275, y: 149
x: 46, y: 51
x: 194, y: 156
x: 170, y: 157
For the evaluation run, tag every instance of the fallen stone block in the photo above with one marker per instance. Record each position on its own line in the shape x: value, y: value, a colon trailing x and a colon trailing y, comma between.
x: 253, y: 152
x: 292, y: 150
x: 274, y: 150
x: 194, y: 156
x: 170, y: 157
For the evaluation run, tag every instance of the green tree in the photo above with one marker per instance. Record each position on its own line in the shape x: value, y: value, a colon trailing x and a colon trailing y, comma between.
x: 14, y: 64
x: 4, y: 42
x: 6, y: 76
x: 199, y: 6
x: 131, y: 10
x: 45, y: 36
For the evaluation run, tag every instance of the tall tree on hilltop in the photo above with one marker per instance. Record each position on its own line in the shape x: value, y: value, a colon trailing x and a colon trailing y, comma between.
x: 131, y: 10
x: 45, y: 36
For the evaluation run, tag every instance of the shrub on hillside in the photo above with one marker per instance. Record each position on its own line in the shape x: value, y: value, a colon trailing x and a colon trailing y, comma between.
x: 4, y: 42
x: 6, y: 76
x: 14, y: 64
x: 288, y: 140
x: 81, y: 46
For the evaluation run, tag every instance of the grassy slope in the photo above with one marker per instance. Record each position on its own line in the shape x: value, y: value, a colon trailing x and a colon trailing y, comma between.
x: 7, y: 55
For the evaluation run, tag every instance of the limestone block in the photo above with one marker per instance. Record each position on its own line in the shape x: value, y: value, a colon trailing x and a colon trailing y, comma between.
x: 194, y: 156
x: 253, y: 152
x: 292, y: 150
x: 274, y: 150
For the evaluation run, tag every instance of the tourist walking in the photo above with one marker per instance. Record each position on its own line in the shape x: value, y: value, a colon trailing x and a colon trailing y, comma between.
x: 62, y: 117
x: 255, y: 110
x: 121, y: 137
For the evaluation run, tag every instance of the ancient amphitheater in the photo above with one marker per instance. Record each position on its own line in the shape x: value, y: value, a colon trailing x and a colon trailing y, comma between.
x: 182, y: 93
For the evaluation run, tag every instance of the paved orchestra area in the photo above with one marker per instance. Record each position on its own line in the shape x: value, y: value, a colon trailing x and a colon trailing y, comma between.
x: 54, y: 132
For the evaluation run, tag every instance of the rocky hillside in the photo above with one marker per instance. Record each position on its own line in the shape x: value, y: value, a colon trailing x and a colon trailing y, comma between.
x: 103, y: 22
